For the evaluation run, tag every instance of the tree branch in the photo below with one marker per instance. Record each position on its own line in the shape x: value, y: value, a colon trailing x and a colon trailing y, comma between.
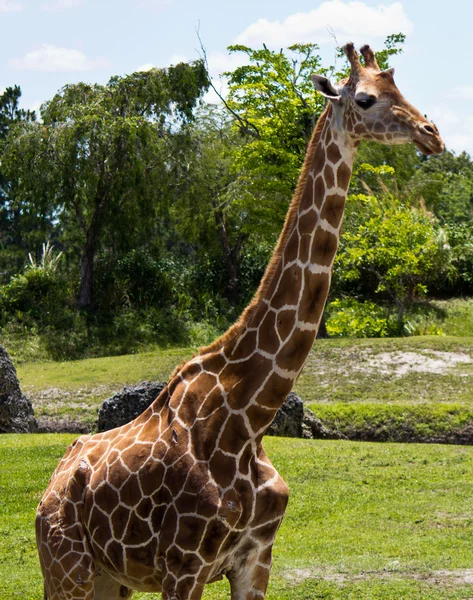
x: 245, y: 126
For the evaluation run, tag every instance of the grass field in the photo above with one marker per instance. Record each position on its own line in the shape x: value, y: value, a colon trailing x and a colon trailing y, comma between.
x: 365, y: 521
x: 401, y: 389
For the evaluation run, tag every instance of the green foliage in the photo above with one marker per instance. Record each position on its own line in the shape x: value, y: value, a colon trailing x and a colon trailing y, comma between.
x: 274, y: 101
x: 350, y: 318
x: 38, y: 295
x: 101, y: 152
x: 135, y: 280
x: 392, y: 249
x: 446, y: 184
x: 166, y: 210
x: 425, y: 422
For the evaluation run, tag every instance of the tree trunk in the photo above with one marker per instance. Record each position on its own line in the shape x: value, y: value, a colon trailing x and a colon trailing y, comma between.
x: 231, y: 255
x: 322, y: 333
x: 85, y: 298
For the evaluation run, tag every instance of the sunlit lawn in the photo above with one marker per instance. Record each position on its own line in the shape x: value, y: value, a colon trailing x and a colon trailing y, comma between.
x: 366, y: 521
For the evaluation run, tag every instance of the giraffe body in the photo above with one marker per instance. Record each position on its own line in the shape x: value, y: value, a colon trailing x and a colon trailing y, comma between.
x: 185, y: 493
x: 219, y: 503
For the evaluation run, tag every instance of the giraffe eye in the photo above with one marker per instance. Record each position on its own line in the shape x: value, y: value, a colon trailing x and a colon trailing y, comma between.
x: 365, y: 103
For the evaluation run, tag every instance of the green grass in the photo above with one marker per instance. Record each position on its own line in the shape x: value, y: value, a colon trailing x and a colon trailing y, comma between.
x: 455, y: 316
x: 339, y: 383
x: 439, y: 423
x: 75, y: 389
x: 364, y: 520
x: 338, y: 370
x: 116, y: 370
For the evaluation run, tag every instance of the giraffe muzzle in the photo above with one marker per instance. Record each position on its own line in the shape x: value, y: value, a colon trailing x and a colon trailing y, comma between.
x: 427, y: 139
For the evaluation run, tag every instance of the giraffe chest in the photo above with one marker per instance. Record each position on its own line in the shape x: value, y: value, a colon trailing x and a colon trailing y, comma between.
x: 143, y: 523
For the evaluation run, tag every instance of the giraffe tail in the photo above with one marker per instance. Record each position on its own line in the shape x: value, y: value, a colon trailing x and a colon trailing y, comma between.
x: 45, y: 593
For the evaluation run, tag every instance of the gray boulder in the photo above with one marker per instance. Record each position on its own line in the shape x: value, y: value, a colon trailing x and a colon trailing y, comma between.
x: 128, y: 404
x: 289, y: 418
x: 293, y: 420
x: 16, y: 410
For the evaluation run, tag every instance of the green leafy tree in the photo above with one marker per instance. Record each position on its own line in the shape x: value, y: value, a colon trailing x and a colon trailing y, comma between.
x: 393, y: 248
x: 17, y: 223
x: 446, y: 184
x: 100, y: 154
x: 275, y: 109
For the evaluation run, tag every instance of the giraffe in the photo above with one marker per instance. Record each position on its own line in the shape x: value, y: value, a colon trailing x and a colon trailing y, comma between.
x: 185, y: 494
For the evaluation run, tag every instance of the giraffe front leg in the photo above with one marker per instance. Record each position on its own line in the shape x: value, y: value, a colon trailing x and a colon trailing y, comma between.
x: 187, y: 589
x: 249, y: 580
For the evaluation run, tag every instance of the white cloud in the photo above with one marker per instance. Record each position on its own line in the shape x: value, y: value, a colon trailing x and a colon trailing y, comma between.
x: 444, y: 116
x: 145, y: 67
x: 57, y: 5
x: 349, y: 21
x: 459, y: 142
x: 219, y: 62
x: 53, y: 58
x: 10, y: 6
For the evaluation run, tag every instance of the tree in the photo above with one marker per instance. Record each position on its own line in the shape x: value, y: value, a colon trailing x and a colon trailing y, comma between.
x: 15, y: 220
x: 446, y: 184
x: 101, y: 152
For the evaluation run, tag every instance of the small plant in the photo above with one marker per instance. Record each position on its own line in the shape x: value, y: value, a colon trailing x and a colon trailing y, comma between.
x: 49, y: 260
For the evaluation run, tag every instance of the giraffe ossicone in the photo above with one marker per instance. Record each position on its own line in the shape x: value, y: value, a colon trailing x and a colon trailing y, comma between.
x: 185, y: 494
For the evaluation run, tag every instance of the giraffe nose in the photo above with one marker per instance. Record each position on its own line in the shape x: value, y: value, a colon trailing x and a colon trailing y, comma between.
x: 430, y: 129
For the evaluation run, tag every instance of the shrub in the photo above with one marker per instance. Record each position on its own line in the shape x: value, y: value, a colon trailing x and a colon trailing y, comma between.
x: 350, y: 318
x: 38, y: 294
x: 392, y: 249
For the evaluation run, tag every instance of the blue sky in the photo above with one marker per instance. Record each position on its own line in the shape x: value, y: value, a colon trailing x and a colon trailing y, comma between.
x: 45, y: 44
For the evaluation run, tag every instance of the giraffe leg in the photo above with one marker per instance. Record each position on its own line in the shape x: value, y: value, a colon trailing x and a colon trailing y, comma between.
x: 250, y: 580
x: 67, y: 564
x: 106, y: 588
x: 184, y: 589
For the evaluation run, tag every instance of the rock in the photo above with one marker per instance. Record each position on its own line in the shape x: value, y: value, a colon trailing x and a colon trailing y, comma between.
x: 16, y: 410
x: 293, y: 420
x: 289, y: 418
x: 314, y: 429
x: 128, y: 404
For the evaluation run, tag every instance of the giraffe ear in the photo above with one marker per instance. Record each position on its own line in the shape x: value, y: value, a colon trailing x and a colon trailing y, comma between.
x: 388, y: 72
x: 324, y: 86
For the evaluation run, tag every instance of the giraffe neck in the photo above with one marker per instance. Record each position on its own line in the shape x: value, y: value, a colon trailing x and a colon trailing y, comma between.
x: 265, y: 350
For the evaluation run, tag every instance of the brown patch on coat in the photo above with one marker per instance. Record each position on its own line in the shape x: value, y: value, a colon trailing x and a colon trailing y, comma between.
x: 343, y: 176
x: 333, y: 208
x: 315, y: 292
x: 288, y: 290
x: 295, y: 349
x: 324, y: 248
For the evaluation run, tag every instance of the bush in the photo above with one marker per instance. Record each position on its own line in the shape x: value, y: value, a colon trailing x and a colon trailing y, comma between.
x: 350, y: 318
x: 137, y: 279
x: 391, y: 249
x: 38, y: 294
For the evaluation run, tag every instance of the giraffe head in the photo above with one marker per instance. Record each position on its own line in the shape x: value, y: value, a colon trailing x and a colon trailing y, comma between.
x: 369, y: 106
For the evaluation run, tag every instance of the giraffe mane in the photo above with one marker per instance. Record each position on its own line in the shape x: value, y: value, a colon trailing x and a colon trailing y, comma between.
x: 245, y: 318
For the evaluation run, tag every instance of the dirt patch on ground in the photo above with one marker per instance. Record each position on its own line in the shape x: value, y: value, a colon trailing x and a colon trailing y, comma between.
x: 444, y: 577
x: 61, y: 410
x: 401, y: 363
